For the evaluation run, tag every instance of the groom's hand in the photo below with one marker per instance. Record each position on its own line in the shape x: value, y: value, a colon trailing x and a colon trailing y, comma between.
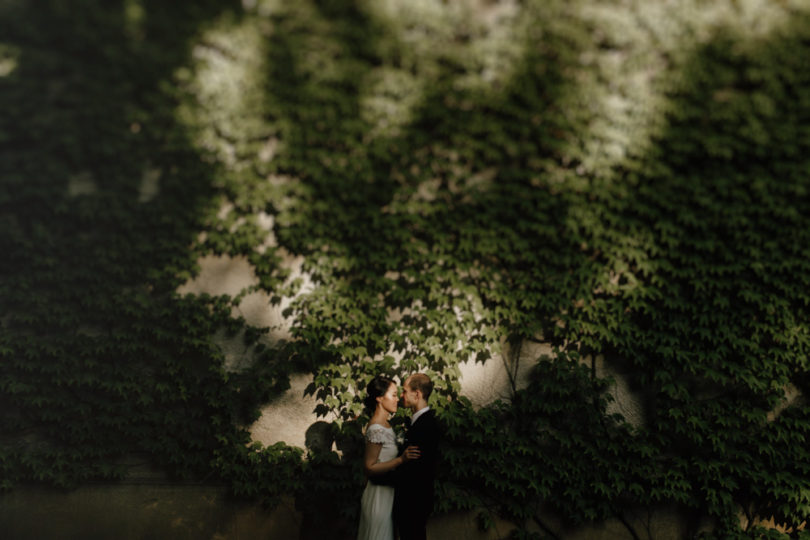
x: 411, y: 453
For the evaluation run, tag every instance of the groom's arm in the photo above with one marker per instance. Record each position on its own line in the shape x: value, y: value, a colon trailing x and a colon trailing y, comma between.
x: 429, y: 443
x: 425, y: 436
x: 423, y: 470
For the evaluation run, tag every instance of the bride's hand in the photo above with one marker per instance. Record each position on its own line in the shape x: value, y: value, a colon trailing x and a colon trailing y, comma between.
x: 411, y: 453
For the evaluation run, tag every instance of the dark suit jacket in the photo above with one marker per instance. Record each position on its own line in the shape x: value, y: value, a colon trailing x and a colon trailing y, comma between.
x: 413, y: 480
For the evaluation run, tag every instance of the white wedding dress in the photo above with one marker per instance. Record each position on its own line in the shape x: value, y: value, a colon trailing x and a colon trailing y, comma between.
x: 377, y: 503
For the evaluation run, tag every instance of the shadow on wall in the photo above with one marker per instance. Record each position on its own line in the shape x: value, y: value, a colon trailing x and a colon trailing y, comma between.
x: 453, y: 221
x: 472, y: 227
x: 728, y: 204
x: 103, y: 192
x: 699, y: 230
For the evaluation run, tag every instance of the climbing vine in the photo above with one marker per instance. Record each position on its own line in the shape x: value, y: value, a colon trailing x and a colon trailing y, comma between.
x: 625, y: 182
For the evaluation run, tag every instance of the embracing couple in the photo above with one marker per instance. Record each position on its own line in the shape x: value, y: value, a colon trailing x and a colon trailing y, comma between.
x: 399, y: 493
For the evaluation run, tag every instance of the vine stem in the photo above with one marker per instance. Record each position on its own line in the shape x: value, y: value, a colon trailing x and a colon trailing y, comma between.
x: 512, y: 364
x: 627, y: 525
x: 545, y: 527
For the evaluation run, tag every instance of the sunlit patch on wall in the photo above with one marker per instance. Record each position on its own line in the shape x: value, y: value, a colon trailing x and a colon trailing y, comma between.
x: 233, y: 276
x: 793, y: 397
x: 8, y: 59
x: 134, y: 16
x: 622, y: 100
x: 262, y: 7
x: 497, y: 44
x: 388, y: 99
x: 226, y: 80
x: 483, y: 40
x: 507, y: 372
x: 82, y: 183
x: 288, y: 417
x: 150, y: 184
x: 627, y: 101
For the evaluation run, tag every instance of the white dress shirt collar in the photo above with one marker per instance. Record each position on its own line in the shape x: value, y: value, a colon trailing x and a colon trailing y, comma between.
x: 419, y: 413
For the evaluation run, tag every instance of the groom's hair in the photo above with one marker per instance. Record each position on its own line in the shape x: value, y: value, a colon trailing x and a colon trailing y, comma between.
x: 421, y: 382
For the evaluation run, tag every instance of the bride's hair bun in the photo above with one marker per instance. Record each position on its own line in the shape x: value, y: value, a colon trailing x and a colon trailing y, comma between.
x: 376, y: 388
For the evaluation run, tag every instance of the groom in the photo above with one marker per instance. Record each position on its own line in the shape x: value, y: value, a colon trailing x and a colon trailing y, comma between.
x: 413, y: 483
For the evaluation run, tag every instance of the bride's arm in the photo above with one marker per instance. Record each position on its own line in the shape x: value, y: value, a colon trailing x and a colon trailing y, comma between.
x: 374, y: 468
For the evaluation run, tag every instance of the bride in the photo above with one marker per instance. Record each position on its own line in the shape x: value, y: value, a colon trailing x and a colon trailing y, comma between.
x: 381, y: 457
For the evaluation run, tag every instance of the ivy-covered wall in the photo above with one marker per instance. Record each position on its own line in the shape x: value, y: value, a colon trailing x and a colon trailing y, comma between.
x: 415, y: 185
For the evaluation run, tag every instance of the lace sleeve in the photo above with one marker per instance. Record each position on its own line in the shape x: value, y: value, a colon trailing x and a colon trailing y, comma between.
x: 375, y: 434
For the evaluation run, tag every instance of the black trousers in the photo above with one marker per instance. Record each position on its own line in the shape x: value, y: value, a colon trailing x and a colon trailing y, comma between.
x: 413, y: 529
x: 411, y: 520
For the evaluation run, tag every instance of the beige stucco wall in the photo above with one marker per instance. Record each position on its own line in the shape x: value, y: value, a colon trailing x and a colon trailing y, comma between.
x: 288, y: 417
x: 206, y: 512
